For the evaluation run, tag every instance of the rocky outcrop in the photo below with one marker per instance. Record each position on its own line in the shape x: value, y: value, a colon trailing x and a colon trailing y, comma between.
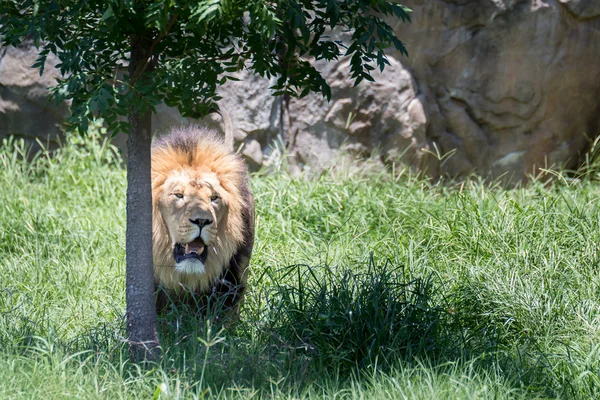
x: 509, y: 85
x: 25, y: 110
x: 497, y: 87
x: 386, y: 117
x: 501, y: 88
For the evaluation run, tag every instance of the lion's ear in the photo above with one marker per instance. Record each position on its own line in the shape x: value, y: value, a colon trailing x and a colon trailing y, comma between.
x: 157, y: 184
x: 227, y: 128
x: 157, y: 192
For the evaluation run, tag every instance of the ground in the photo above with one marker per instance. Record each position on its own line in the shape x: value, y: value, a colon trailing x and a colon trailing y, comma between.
x: 381, y: 285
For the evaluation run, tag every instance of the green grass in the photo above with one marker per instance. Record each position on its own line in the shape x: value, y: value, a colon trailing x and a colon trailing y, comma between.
x: 366, y: 286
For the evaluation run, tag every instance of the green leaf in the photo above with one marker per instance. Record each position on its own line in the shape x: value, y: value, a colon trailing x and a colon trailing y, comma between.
x: 107, y: 14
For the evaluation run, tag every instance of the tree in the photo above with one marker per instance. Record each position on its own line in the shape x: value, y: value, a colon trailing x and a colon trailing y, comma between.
x: 121, y: 58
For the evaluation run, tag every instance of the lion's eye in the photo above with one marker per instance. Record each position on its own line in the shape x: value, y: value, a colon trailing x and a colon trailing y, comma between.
x: 214, y: 198
x: 178, y: 195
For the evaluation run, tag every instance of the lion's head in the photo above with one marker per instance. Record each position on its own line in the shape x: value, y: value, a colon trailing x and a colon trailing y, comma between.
x: 201, y: 207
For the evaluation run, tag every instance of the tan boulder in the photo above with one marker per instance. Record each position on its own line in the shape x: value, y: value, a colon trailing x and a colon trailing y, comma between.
x: 511, y: 85
x: 386, y: 116
x: 25, y: 108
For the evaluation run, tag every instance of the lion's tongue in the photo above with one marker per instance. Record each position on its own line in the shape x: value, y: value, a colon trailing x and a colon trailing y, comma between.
x: 195, y: 246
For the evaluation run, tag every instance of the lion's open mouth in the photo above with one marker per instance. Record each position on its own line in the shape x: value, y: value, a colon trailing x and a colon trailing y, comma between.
x: 196, y: 249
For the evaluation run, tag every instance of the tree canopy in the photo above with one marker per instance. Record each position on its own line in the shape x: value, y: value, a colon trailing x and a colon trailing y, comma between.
x: 194, y: 47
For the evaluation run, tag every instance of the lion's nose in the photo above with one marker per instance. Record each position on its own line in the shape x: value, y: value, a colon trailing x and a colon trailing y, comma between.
x: 201, y: 222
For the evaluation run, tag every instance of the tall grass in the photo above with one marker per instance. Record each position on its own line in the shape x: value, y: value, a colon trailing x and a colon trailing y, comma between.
x: 381, y: 285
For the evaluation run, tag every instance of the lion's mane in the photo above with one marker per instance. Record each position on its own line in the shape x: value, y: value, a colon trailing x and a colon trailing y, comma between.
x: 195, y: 149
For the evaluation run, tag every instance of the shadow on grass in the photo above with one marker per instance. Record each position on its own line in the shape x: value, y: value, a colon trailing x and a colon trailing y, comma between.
x: 321, y: 321
x: 309, y: 324
x: 347, y: 320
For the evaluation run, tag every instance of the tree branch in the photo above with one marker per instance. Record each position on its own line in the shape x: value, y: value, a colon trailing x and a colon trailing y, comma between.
x: 142, y: 66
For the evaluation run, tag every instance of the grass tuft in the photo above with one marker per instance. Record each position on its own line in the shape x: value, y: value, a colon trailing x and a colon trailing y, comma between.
x: 353, y: 318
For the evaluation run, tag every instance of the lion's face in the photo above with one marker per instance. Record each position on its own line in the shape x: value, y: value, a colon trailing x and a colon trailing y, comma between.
x: 192, y: 207
x: 202, y: 211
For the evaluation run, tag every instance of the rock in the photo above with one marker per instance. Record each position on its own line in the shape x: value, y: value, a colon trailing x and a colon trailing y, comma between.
x: 583, y: 8
x: 25, y: 108
x: 385, y: 116
x: 254, y: 113
x: 509, y: 86
x: 253, y: 154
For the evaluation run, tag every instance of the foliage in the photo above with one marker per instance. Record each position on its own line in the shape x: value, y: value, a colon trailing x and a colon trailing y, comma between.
x: 195, y: 47
x: 491, y: 293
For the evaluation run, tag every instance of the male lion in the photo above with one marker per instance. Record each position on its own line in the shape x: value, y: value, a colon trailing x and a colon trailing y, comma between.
x: 203, y: 218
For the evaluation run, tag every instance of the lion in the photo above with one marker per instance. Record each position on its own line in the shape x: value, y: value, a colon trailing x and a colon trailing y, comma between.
x: 202, y: 218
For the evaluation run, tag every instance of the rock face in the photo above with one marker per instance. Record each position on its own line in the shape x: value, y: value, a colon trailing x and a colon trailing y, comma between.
x: 386, y: 116
x: 497, y: 87
x: 509, y: 85
x: 25, y: 110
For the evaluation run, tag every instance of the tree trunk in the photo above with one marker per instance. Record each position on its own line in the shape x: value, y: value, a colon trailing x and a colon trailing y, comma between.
x: 141, y: 309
